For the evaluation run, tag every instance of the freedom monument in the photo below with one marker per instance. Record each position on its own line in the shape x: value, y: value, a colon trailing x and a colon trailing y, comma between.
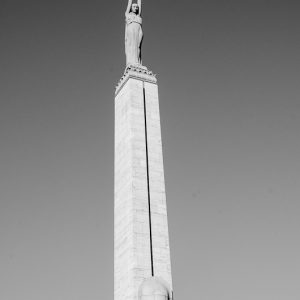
x: 142, y: 266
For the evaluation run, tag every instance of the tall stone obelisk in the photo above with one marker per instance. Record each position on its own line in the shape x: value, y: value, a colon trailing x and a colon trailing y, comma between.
x: 142, y: 267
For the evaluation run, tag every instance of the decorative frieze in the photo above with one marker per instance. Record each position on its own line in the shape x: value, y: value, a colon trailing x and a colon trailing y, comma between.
x: 138, y: 72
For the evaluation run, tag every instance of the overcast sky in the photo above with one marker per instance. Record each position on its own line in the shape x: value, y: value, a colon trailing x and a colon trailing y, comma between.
x: 229, y: 84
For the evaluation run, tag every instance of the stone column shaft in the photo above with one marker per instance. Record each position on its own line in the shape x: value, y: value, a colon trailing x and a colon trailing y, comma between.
x: 141, y: 244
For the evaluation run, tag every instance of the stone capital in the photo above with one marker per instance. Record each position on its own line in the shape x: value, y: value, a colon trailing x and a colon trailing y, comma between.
x: 137, y: 72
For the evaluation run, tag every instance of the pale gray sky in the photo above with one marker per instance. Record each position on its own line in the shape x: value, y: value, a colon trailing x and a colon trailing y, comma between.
x: 228, y: 75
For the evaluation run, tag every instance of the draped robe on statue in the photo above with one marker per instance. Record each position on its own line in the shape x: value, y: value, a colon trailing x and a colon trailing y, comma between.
x: 133, y: 39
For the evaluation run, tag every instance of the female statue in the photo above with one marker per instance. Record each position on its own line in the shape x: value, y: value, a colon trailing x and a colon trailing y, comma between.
x: 133, y: 33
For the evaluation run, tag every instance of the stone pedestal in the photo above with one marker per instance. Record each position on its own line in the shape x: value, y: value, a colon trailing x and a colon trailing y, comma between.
x: 141, y: 240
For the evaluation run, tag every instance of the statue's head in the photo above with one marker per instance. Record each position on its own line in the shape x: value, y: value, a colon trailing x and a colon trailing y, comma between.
x: 135, y: 8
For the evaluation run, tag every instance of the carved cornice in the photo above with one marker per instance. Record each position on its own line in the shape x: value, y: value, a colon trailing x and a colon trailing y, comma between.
x: 138, y: 72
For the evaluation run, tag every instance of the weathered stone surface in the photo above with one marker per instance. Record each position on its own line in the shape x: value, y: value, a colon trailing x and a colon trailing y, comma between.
x: 139, y: 185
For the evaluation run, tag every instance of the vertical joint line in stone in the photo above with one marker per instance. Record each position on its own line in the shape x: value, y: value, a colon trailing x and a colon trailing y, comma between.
x: 148, y: 181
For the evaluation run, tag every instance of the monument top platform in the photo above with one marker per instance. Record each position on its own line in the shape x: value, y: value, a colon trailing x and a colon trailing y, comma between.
x: 137, y: 72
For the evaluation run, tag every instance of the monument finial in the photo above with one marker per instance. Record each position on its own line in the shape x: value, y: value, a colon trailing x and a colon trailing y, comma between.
x: 133, y: 33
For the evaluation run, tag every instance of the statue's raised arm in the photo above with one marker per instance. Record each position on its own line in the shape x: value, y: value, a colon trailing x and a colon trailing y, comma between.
x: 128, y: 7
x: 139, y: 2
x: 133, y: 33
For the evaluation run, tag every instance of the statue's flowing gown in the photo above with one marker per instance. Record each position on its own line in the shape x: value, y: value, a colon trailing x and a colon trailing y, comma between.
x: 133, y: 39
